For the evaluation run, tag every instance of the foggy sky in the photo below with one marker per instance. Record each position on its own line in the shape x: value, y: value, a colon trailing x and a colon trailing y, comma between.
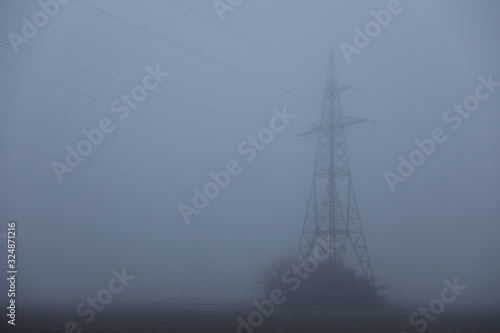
x: 441, y: 223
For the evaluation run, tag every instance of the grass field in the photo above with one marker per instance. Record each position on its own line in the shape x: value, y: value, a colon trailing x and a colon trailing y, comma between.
x: 217, y: 321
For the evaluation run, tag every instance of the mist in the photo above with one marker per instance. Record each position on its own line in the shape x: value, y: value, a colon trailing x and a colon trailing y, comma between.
x: 205, y: 77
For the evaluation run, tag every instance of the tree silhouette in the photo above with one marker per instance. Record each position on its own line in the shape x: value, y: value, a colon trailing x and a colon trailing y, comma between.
x: 322, y: 285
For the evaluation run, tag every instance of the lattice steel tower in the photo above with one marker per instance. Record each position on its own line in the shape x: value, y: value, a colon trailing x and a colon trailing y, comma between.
x: 325, y: 223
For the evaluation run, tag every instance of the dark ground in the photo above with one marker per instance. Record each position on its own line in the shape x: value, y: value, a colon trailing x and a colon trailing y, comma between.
x: 220, y: 322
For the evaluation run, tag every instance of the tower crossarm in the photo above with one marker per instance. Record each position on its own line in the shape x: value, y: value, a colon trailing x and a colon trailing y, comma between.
x: 346, y: 121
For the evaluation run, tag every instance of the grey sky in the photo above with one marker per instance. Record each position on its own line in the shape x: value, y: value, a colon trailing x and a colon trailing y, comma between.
x: 440, y: 223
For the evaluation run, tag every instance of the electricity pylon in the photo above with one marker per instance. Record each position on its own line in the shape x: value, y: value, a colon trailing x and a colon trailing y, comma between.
x: 325, y: 224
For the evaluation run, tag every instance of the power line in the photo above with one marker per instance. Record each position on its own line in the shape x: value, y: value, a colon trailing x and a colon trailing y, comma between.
x: 116, y: 80
x: 247, y: 38
x: 79, y: 184
x: 385, y: 93
x: 190, y: 50
x: 47, y: 129
x: 273, y: 51
x: 178, y: 100
x: 126, y: 83
x: 95, y: 168
x: 181, y: 101
x: 156, y: 122
x: 52, y: 82
x: 199, y: 54
x: 188, y: 103
x: 126, y: 63
x: 191, y: 104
